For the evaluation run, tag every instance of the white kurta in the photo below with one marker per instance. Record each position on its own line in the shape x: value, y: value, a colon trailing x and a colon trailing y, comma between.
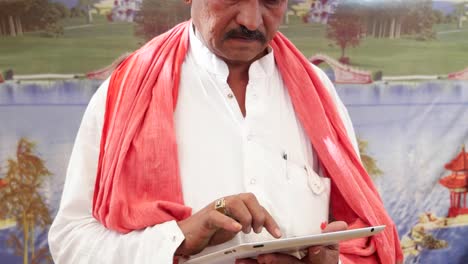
x: 221, y: 153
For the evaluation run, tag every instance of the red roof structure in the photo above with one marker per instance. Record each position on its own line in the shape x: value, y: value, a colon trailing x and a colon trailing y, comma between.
x: 460, y: 163
x: 454, y: 181
x: 457, y: 183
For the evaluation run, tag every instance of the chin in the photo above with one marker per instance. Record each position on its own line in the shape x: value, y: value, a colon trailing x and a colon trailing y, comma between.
x: 243, y: 56
x: 242, y: 59
x: 240, y: 52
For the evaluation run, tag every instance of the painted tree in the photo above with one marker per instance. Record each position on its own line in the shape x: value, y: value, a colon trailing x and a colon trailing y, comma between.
x: 158, y: 16
x: 18, y: 16
x: 345, y: 29
x: 88, y: 6
x: 461, y: 13
x: 21, y: 200
x: 384, y: 18
x: 392, y: 19
x: 11, y: 12
x: 420, y: 20
x: 369, y: 163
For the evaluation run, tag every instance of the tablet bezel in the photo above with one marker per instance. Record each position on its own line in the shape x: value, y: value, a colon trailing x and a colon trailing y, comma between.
x: 249, y: 250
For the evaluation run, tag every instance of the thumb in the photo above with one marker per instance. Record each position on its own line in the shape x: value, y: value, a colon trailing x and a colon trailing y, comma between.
x: 316, y: 254
x: 335, y: 226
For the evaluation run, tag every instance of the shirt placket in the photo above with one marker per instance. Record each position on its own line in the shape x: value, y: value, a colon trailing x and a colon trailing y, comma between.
x: 253, y: 181
x: 232, y: 103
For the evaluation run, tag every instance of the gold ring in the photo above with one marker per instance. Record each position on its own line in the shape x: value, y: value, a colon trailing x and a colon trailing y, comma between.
x: 220, y: 206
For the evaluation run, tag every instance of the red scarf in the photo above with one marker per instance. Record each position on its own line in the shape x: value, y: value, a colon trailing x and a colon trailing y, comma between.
x: 138, y: 181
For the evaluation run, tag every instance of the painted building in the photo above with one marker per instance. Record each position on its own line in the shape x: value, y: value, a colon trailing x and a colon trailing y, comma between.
x: 125, y: 10
x: 457, y: 183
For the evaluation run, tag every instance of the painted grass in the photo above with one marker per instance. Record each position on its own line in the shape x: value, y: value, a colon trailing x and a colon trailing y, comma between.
x: 86, y: 48
x: 405, y: 56
x: 80, y: 50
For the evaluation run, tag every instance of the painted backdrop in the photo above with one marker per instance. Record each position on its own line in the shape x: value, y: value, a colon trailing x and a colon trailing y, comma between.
x: 401, y: 67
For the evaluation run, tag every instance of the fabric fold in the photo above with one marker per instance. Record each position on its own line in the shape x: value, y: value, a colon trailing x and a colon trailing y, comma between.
x: 138, y: 183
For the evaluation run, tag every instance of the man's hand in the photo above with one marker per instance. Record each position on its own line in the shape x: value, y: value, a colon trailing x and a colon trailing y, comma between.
x: 315, y: 255
x: 209, y: 227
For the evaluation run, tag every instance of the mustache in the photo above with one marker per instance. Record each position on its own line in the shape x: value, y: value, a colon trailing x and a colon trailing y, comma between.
x: 245, y: 33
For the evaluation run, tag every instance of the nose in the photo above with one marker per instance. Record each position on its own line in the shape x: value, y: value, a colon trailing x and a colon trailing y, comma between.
x: 250, y: 14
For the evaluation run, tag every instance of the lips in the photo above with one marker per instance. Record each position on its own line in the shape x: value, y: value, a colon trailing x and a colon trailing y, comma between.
x: 243, y: 34
x: 245, y: 39
x: 244, y: 42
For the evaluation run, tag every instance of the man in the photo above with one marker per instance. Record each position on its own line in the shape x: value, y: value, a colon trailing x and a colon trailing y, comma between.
x: 221, y: 116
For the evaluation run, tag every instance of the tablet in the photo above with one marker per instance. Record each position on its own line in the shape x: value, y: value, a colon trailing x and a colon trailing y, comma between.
x: 251, y: 250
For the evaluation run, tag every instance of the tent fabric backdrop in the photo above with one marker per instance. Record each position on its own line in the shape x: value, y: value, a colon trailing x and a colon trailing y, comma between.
x: 411, y: 129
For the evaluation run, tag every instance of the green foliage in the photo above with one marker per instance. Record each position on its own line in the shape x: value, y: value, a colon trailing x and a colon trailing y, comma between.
x: 62, y: 9
x: 14, y: 8
x: 158, y: 16
x: 420, y: 20
x: 461, y: 12
x: 76, y: 12
x: 33, y: 15
x: 392, y: 19
x: 449, y: 18
x: 40, y: 13
x: 53, y: 31
x: 86, y: 6
x: 438, y: 16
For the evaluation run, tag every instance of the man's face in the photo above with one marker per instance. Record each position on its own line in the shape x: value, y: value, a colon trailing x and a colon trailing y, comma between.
x: 238, y: 30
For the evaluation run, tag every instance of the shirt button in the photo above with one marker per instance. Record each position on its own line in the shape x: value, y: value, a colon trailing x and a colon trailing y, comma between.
x: 230, y: 96
x: 253, y: 181
x: 249, y: 137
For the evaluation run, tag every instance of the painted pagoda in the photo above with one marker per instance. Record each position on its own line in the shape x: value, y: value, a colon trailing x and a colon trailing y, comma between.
x: 457, y: 183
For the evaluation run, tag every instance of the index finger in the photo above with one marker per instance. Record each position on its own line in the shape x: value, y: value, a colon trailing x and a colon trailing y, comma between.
x: 257, y: 211
x: 271, y: 226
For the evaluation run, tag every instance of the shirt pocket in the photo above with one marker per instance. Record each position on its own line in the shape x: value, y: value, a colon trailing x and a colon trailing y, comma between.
x: 309, y: 198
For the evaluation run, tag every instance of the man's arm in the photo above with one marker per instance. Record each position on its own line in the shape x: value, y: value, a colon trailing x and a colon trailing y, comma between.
x: 75, y: 235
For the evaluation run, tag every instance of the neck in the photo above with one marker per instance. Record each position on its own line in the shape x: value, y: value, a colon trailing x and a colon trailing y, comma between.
x: 238, y: 72
x: 238, y: 78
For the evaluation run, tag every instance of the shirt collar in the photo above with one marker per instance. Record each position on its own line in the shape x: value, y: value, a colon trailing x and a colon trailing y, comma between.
x: 206, y: 59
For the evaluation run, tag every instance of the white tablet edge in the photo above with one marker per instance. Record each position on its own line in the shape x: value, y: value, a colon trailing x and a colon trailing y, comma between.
x: 287, y: 244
